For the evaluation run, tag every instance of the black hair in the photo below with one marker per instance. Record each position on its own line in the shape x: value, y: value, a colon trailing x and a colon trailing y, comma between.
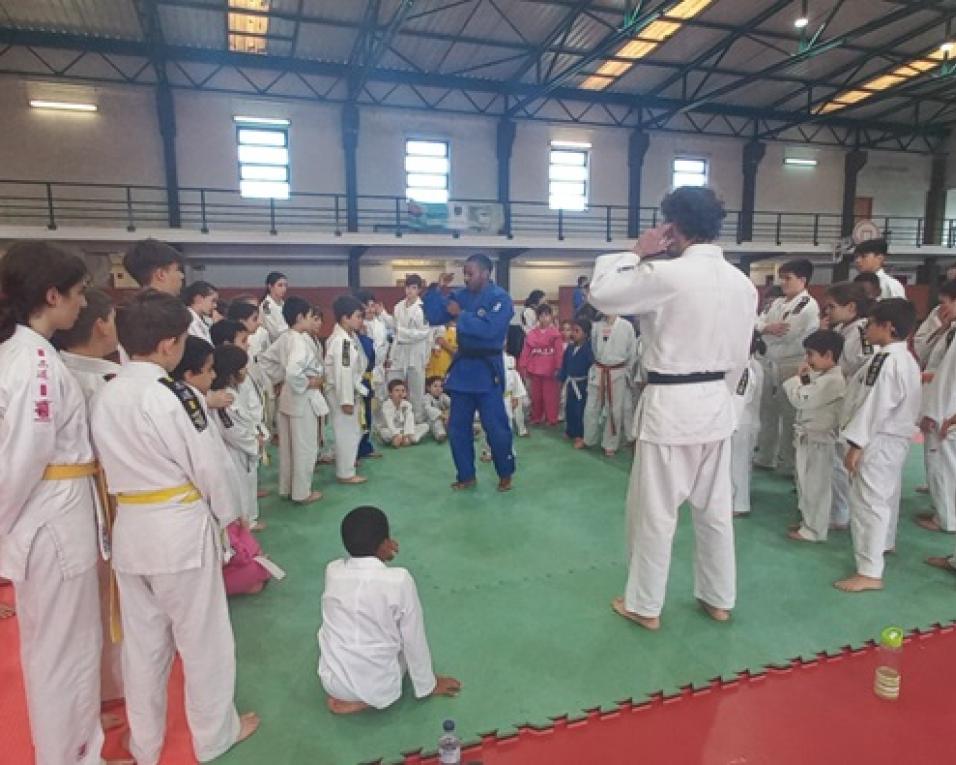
x: 898, y: 312
x: 483, y: 261
x: 392, y: 384
x: 196, y: 353
x: 98, y: 307
x: 293, y: 308
x: 346, y: 305
x: 801, y: 268
x: 584, y: 324
x: 363, y: 531
x: 582, y: 280
x: 227, y: 361
x: 872, y: 247
x: 149, y: 318
x: 514, y: 340
x: 534, y: 298
x: 844, y: 293
x: 946, y: 288
x: 241, y: 310
x: 414, y: 280
x: 197, y: 289
x: 430, y: 380
x: 825, y: 341
x: 543, y: 308
x: 364, y: 297
x: 27, y: 272
x: 695, y: 211
x: 867, y: 278
x: 225, y: 331
x: 147, y: 257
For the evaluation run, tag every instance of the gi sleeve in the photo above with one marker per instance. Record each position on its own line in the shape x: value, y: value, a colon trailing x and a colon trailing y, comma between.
x: 343, y: 359
x: 805, y: 322
x: 237, y: 429
x: 518, y: 390
x: 922, y: 339
x: 435, y: 307
x: 408, y: 423
x: 297, y: 363
x: 884, y: 394
x: 28, y: 422
x: 411, y: 626
x: 386, y: 429
x: 269, y: 362
x: 938, y: 399
x: 624, y: 286
x: 819, y: 392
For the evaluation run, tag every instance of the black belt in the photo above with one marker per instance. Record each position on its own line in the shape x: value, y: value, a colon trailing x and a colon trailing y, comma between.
x: 656, y: 378
x: 485, y: 354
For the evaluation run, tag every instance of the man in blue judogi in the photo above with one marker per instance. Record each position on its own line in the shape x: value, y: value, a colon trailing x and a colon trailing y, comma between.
x: 476, y: 378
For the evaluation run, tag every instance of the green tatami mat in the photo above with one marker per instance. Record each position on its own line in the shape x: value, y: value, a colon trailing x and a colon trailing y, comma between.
x: 516, y: 589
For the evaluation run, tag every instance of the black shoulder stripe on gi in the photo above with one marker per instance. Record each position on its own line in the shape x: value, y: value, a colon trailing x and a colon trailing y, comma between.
x: 804, y: 302
x: 873, y: 371
x: 188, y: 400
x: 346, y: 360
x: 742, y: 385
x: 226, y: 419
x: 949, y: 337
x: 864, y: 343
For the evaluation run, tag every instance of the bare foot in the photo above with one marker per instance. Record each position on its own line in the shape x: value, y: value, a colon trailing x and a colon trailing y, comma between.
x: 922, y: 489
x: 485, y: 457
x: 338, y: 707
x: 793, y: 527
x: 891, y: 551
x: 858, y: 583
x: 315, y: 496
x: 928, y: 522
x: 741, y: 513
x: 717, y: 614
x: 440, y: 439
x: 504, y: 484
x: 327, y: 460
x: 579, y: 443
x: 462, y: 485
x: 354, y: 479
x: 7, y: 611
x: 109, y: 721
x: 839, y: 526
x: 609, y: 452
x: 939, y: 561
x: 262, y: 493
x: 248, y: 724
x: 257, y: 526
x: 796, y: 536
x: 652, y: 623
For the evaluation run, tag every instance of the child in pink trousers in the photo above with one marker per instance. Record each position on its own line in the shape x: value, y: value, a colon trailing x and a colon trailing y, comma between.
x: 540, y: 361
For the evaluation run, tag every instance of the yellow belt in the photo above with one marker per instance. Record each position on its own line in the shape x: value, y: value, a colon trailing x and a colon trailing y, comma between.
x: 93, y: 470
x: 183, y: 494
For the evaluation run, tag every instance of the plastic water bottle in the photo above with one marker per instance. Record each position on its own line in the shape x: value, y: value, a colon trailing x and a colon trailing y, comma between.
x: 887, y: 679
x: 449, y: 745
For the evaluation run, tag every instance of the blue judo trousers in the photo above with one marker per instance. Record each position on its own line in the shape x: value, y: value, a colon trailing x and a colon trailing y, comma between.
x: 476, y: 380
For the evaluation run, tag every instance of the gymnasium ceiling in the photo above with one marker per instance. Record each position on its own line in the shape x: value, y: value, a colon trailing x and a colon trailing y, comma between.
x: 867, y: 73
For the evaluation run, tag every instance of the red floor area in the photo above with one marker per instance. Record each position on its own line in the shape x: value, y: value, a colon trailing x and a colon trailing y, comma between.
x: 823, y: 712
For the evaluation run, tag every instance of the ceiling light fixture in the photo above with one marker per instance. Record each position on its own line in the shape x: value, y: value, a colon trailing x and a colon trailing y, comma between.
x: 63, y: 106
x: 803, y: 19
x: 800, y: 162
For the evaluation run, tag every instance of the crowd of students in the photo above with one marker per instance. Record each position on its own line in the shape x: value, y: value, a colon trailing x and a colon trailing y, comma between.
x: 133, y: 435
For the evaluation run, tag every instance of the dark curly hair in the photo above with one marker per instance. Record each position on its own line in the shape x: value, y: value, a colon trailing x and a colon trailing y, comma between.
x: 695, y: 211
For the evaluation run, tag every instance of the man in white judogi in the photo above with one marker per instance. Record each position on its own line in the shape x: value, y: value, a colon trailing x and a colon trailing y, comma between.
x: 783, y: 328
x: 345, y: 364
x: 162, y: 460
x: 697, y: 315
x: 411, y: 348
x: 615, y: 350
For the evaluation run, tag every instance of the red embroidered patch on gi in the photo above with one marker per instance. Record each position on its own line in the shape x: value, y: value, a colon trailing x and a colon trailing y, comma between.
x: 41, y: 411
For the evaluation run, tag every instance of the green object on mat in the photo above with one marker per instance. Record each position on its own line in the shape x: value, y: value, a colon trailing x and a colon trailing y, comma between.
x: 517, y: 589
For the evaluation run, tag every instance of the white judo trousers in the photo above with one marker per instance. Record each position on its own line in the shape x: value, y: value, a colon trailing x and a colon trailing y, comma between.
x: 742, y: 445
x: 814, y: 467
x: 775, y: 445
x: 348, y: 434
x: 60, y: 648
x: 298, y: 450
x: 875, y: 502
x: 185, y: 613
x: 604, y: 386
x: 840, y: 488
x: 940, y: 459
x: 662, y: 479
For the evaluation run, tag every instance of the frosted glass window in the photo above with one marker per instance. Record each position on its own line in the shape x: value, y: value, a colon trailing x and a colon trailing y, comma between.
x: 263, y: 161
x: 568, y: 178
x: 689, y: 171
x: 427, y: 170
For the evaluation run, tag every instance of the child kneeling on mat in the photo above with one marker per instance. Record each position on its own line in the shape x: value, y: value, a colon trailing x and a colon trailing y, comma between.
x: 373, y: 629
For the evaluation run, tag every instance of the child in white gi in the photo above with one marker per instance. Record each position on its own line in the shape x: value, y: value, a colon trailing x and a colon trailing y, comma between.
x: 377, y: 328
x: 241, y: 428
x: 516, y: 397
x: 48, y: 512
x: 845, y: 310
x: 155, y: 265
x: 292, y: 361
x: 398, y: 426
x: 747, y: 391
x: 200, y: 297
x: 273, y: 304
x: 412, y: 346
x: 615, y: 348
x: 882, y: 405
x: 783, y: 328
x: 163, y: 461
x: 939, y: 454
x: 345, y: 363
x: 816, y: 392
x: 83, y: 349
x: 373, y: 629
x: 437, y: 408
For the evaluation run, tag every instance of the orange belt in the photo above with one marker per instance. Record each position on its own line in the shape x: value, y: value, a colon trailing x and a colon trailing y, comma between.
x: 605, y: 395
x: 105, y: 518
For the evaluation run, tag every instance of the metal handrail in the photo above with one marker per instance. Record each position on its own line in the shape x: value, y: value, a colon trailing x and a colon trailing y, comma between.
x: 206, y: 208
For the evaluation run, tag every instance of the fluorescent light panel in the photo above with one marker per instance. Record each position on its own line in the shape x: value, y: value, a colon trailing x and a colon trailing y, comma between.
x: 647, y: 40
x: 571, y: 144
x: 64, y: 106
x: 800, y: 162
x: 261, y: 120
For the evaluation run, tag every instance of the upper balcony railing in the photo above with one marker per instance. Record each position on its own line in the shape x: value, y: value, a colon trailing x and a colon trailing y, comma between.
x: 54, y: 205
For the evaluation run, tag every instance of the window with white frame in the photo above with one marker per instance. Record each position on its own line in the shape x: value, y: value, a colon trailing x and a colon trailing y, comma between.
x: 263, y: 157
x: 690, y: 171
x: 426, y: 170
x: 569, y: 175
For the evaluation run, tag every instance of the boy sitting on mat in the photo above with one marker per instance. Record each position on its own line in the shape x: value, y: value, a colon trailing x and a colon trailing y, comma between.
x: 373, y: 628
